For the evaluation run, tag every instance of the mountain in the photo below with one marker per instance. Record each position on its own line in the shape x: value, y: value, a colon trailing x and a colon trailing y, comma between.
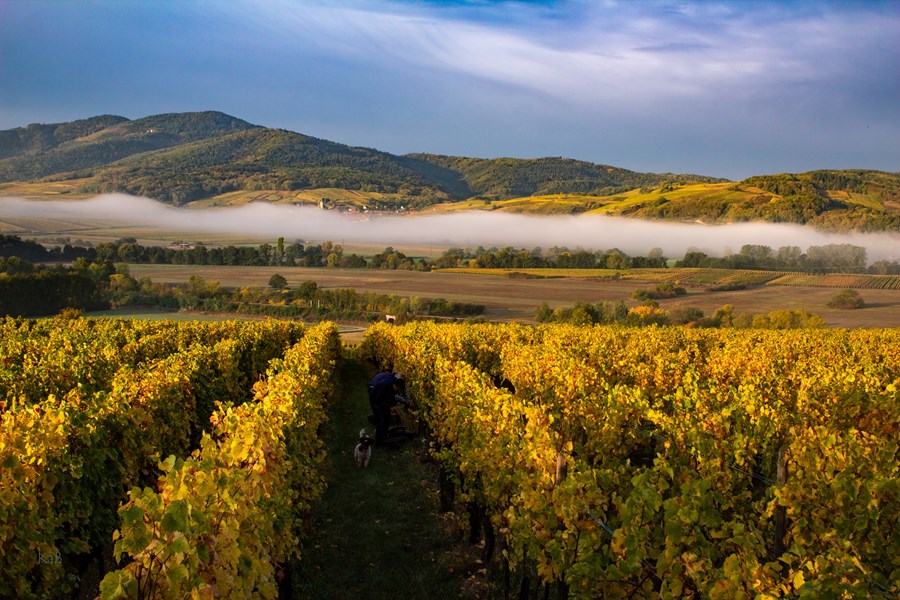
x: 501, y: 178
x: 219, y: 159
x: 38, y: 138
x: 39, y: 151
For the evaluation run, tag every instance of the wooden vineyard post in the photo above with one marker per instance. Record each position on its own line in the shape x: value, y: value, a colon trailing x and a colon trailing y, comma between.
x: 561, y: 468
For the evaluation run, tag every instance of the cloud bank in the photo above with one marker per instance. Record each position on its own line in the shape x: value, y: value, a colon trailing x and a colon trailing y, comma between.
x: 468, y: 229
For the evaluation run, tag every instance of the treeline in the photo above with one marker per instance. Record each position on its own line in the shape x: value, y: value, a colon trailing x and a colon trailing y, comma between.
x: 843, y: 258
x: 14, y: 246
x: 127, y: 250
x: 554, y: 258
x: 647, y: 314
x: 28, y: 290
x: 305, y: 301
x: 830, y: 258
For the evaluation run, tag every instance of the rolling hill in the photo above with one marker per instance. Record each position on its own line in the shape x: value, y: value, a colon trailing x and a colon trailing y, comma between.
x: 867, y: 201
x: 39, y: 151
x: 212, y: 158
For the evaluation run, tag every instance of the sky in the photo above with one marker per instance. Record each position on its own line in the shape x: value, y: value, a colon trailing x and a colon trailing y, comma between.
x: 726, y: 89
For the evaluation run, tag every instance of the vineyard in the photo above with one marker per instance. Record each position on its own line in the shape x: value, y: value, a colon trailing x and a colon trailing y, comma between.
x: 183, y: 460
x: 705, y: 277
x: 838, y: 280
x: 92, y: 408
x: 668, y: 463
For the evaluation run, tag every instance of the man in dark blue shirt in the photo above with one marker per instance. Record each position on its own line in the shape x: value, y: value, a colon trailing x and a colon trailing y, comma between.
x: 386, y: 390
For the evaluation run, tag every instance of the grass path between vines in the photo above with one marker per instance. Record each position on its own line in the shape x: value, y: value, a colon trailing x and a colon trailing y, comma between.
x: 376, y: 533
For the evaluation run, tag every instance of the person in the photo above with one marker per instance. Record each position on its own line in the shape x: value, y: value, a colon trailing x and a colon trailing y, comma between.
x: 386, y: 390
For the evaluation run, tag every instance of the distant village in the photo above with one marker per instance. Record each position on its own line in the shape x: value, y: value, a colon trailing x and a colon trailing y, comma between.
x: 328, y: 204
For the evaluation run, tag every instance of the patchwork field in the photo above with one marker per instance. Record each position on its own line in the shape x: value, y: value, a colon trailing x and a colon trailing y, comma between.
x: 508, y: 299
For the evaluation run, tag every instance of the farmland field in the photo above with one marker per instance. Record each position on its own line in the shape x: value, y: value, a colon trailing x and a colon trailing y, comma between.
x: 507, y: 299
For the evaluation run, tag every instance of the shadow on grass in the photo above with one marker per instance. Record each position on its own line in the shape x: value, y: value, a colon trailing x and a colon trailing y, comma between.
x: 377, y: 534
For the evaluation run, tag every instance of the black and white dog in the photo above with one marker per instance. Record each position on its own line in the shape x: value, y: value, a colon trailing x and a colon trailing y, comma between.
x: 363, y: 451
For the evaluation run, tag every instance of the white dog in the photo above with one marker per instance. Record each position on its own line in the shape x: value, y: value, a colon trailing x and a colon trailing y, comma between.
x: 363, y: 451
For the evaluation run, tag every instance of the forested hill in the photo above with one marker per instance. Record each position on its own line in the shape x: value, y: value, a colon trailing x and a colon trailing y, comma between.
x: 515, y: 177
x: 219, y: 159
x: 39, y: 151
x: 183, y: 157
x: 272, y: 159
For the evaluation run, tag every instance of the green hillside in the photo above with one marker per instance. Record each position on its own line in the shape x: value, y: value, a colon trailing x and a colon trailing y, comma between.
x: 504, y: 178
x: 870, y: 208
x: 40, y: 138
x: 837, y: 200
x: 39, y: 151
x: 271, y: 159
x: 217, y: 159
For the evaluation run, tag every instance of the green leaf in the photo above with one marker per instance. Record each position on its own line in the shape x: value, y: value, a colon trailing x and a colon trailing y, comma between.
x: 166, y: 465
x: 732, y: 567
x: 131, y: 515
x: 179, y: 544
x: 176, y: 574
x: 117, y: 584
x: 175, y: 517
x: 674, y: 531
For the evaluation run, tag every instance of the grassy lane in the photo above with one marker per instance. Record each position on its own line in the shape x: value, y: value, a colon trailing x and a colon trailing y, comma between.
x: 377, y: 533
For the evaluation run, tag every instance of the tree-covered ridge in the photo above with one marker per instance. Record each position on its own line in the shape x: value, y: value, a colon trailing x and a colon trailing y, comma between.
x: 505, y: 178
x: 39, y: 137
x: 185, y: 157
x: 834, y: 200
x: 62, y: 148
x: 261, y: 159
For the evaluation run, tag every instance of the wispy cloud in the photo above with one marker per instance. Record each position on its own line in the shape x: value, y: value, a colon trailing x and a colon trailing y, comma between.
x: 726, y: 88
x: 616, y: 53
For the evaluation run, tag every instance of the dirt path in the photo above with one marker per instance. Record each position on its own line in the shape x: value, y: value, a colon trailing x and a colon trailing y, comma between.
x: 377, y: 534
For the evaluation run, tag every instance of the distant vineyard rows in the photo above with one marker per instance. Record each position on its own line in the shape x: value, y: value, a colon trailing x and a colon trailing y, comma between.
x: 710, y: 277
x: 858, y: 281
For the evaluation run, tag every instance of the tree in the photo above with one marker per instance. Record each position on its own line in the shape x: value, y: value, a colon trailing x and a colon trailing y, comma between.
x: 612, y: 311
x: 847, y: 300
x: 544, y: 313
x: 682, y: 315
x: 616, y: 259
x: 583, y: 314
x: 279, y: 251
x: 307, y: 290
x: 277, y: 282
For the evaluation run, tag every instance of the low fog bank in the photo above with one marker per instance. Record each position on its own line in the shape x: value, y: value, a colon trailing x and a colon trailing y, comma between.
x: 468, y: 229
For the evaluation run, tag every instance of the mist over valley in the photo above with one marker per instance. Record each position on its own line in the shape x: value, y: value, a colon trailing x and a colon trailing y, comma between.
x: 464, y: 229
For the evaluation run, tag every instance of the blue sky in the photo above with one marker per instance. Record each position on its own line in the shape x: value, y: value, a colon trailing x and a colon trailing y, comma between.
x: 727, y: 89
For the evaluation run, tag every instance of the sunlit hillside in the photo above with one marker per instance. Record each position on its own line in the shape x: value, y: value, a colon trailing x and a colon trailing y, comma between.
x: 875, y: 206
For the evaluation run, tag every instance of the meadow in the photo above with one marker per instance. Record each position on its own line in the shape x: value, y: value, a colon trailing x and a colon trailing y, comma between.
x: 517, y: 299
